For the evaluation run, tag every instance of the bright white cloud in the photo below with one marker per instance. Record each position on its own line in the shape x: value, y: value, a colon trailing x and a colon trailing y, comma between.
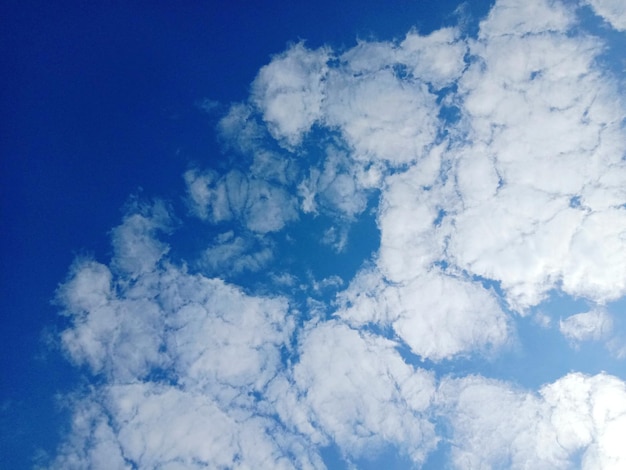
x: 157, y: 426
x: 517, y: 17
x: 438, y: 316
x: 497, y: 168
x: 380, y: 116
x: 289, y: 92
x: 179, y: 351
x: 536, y: 107
x: 354, y: 388
x: 573, y: 422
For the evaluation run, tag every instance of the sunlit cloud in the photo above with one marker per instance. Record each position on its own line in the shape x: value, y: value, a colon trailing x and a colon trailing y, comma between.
x: 494, y: 168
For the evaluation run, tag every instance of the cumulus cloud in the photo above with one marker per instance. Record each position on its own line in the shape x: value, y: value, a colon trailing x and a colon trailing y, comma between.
x: 436, y: 315
x: 380, y: 116
x: 536, y: 106
x: 573, y: 422
x: 355, y: 389
x: 289, y: 92
x: 174, y: 348
x: 495, y: 167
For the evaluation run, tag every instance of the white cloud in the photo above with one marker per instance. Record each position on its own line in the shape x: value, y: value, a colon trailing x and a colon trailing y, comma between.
x: 525, y: 191
x: 102, y: 325
x: 136, y: 248
x: 90, y: 424
x: 438, y: 316
x: 338, y: 187
x: 177, y: 351
x: 437, y: 58
x: 612, y: 11
x: 354, y: 388
x: 518, y: 17
x: 157, y: 426
x: 597, y: 265
x: 409, y: 239
x: 536, y: 106
x: 575, y: 418
x: 219, y: 337
x: 592, y: 325
x: 289, y: 92
x: 380, y: 116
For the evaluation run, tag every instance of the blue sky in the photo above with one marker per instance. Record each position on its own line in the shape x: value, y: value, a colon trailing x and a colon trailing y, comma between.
x: 313, y: 236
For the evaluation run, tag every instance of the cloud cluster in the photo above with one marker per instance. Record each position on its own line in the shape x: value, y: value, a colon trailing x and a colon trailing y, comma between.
x: 576, y: 422
x: 496, y: 169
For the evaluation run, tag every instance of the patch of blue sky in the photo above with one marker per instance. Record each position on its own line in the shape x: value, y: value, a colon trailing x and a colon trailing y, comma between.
x: 305, y: 250
x: 611, y: 57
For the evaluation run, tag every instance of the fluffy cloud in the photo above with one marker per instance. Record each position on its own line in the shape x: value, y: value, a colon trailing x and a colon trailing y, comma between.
x: 355, y: 388
x: 495, y: 168
x: 437, y: 316
x: 575, y: 421
x: 380, y: 116
x: 174, y: 348
x: 289, y: 92
x: 536, y: 106
x: 156, y: 426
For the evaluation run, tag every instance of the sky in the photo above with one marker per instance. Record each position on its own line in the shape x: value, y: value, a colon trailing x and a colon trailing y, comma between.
x: 341, y: 235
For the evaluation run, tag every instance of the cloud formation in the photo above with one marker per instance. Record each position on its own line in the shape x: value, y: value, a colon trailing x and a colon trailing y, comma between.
x: 575, y: 422
x: 495, y: 168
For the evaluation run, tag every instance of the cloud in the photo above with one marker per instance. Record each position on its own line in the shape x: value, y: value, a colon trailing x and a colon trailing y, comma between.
x: 289, y: 92
x: 156, y: 426
x: 574, y: 421
x: 592, y: 325
x: 380, y: 116
x: 536, y: 106
x: 337, y: 187
x: 495, y: 168
x: 515, y: 17
x: 103, y: 335
x: 355, y: 389
x: 437, y: 316
x: 177, y: 351
x: 612, y: 11
x: 261, y: 206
